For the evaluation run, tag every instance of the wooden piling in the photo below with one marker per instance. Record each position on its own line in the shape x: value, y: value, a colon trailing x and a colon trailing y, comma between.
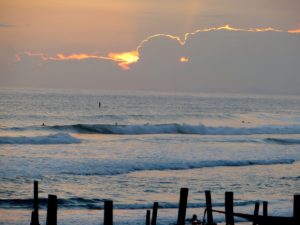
x: 296, y: 209
x: 210, y: 220
x: 108, y: 212
x: 182, y: 206
x: 229, y: 208
x: 256, y: 210
x: 265, y: 209
x: 154, y: 213
x: 36, y: 198
x: 34, y: 218
x: 35, y: 213
x: 270, y: 220
x: 52, y: 210
x: 148, y: 217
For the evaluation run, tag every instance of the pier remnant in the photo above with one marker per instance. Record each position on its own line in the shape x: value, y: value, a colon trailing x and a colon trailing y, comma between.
x: 210, y: 220
x: 296, y: 209
x: 148, y: 217
x: 154, y: 213
x: 265, y: 209
x: 256, y: 210
x: 35, y: 212
x: 182, y: 206
x: 229, y: 208
x: 108, y: 212
x: 52, y: 210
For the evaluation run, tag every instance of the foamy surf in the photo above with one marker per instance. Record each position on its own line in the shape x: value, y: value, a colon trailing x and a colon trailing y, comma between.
x: 175, y: 128
x: 101, y: 168
x: 172, y: 128
x: 58, y: 138
x: 97, y: 203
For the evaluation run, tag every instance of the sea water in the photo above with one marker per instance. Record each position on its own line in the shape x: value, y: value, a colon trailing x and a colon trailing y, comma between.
x: 138, y: 148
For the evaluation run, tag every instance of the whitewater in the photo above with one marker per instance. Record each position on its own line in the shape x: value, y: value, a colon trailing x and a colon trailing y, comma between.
x: 138, y: 148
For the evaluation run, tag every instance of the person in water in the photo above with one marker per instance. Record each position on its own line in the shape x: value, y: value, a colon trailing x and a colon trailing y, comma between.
x: 194, y: 220
x: 99, y: 104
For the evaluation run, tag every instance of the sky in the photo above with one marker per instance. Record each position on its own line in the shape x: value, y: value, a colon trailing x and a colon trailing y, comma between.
x: 216, y: 46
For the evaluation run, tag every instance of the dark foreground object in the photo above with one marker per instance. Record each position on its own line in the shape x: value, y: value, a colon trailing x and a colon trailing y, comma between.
x: 255, y: 218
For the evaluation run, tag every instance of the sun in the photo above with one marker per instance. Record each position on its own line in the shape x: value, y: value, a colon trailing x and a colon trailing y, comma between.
x: 125, y: 58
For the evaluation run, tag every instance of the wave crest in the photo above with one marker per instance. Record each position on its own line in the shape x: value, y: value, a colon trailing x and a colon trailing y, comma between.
x: 175, y: 128
x: 85, y: 203
x: 59, y: 138
x: 95, y: 168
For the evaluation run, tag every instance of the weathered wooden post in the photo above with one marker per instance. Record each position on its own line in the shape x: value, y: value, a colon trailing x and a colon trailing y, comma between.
x: 229, y: 208
x: 108, y: 212
x: 154, y: 213
x: 255, y: 216
x: 296, y: 209
x: 34, y: 218
x: 265, y: 209
x: 35, y: 213
x: 36, y: 197
x: 210, y: 220
x: 52, y: 210
x: 182, y: 206
x: 148, y: 217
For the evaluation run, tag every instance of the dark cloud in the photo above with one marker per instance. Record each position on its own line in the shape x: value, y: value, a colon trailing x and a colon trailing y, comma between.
x: 3, y: 25
x: 223, y: 61
x: 218, y: 61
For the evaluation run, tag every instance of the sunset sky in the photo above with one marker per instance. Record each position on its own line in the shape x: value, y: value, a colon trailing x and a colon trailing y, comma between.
x: 169, y: 45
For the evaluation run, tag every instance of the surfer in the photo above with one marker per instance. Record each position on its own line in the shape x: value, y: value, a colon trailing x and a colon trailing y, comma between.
x: 194, y: 220
x: 43, y: 125
x: 99, y: 104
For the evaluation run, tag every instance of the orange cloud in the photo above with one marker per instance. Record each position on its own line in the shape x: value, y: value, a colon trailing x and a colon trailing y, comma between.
x: 59, y: 57
x: 78, y: 57
x: 125, y: 59
x: 296, y: 31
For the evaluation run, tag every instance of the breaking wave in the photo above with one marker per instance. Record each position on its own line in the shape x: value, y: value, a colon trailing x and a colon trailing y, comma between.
x: 85, y: 203
x: 96, y: 168
x: 59, y: 138
x: 175, y: 128
x: 283, y: 141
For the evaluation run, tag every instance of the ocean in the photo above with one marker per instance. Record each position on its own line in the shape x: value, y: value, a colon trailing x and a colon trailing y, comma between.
x: 140, y: 147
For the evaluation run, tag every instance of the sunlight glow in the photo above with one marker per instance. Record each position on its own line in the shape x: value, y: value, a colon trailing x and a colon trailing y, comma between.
x: 264, y: 29
x: 59, y: 57
x: 125, y: 59
x: 78, y: 57
x: 296, y: 31
x: 184, y: 59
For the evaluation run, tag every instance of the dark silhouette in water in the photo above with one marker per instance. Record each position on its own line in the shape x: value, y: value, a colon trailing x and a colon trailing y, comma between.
x: 194, y: 220
x: 99, y: 104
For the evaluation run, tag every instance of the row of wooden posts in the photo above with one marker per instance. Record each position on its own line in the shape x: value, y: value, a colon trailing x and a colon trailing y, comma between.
x: 181, y: 220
